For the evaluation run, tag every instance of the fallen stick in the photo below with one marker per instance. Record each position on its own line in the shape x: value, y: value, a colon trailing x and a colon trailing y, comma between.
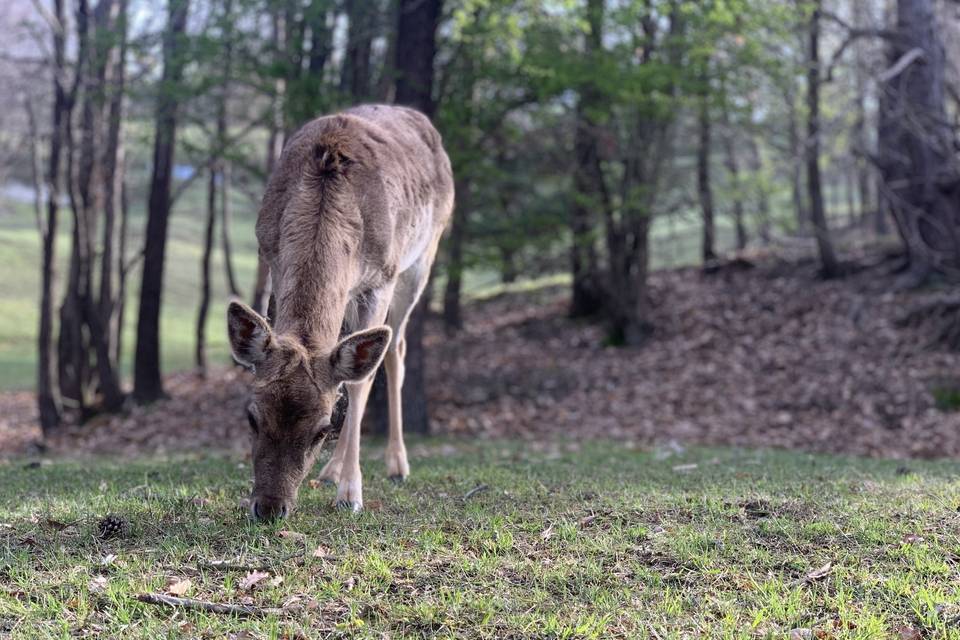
x: 477, y: 489
x: 212, y: 607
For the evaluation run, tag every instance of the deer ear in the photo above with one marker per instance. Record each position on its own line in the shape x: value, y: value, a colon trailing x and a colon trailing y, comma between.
x: 358, y: 355
x: 249, y: 333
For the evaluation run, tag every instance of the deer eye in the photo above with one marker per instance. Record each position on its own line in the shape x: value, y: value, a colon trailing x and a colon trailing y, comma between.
x: 252, y: 419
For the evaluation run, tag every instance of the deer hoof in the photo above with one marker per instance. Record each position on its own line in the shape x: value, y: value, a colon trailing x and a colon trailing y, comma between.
x: 349, y: 505
x: 398, y: 478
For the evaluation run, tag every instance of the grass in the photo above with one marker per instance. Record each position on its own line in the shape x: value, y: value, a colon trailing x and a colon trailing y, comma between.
x: 565, y: 542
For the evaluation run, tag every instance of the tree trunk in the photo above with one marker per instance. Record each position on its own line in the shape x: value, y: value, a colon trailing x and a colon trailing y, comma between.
x: 796, y: 165
x: 148, y: 383
x: 704, y: 187
x: 48, y: 397
x: 452, y: 317
x: 763, y: 198
x: 355, y: 77
x: 861, y: 143
x: 586, y: 295
x: 917, y: 144
x: 200, y: 355
x: 416, y: 50
x: 223, y: 166
x: 829, y: 266
x: 733, y: 168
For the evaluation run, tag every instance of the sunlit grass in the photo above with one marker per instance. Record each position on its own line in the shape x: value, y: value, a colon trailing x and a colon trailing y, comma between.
x: 564, y: 542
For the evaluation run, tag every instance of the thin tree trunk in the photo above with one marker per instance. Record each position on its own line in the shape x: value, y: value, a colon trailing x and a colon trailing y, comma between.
x: 48, y: 398
x: 733, y: 168
x: 586, y: 296
x: 704, y: 187
x: 200, y: 355
x: 763, y: 200
x: 452, y: 316
x: 148, y: 382
x: 829, y: 266
x: 224, y: 164
x: 796, y: 165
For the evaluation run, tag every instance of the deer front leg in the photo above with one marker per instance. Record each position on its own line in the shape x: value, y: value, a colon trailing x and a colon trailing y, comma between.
x: 350, y: 487
x: 331, y: 471
x: 396, y: 455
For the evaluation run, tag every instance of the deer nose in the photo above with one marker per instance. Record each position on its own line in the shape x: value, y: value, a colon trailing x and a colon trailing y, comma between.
x: 265, y: 509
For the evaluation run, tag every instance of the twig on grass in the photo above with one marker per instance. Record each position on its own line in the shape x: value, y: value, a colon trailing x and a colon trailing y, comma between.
x: 212, y: 607
x: 228, y: 566
x: 477, y: 489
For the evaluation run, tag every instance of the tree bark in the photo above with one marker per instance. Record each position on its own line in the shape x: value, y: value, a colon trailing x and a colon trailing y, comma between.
x: 828, y: 261
x: 733, y: 168
x: 796, y: 164
x: 48, y: 397
x: 452, y: 316
x: 586, y: 295
x: 355, y: 77
x: 415, y: 53
x: 200, y: 355
x: 148, y: 382
x: 918, y: 146
x: 704, y: 187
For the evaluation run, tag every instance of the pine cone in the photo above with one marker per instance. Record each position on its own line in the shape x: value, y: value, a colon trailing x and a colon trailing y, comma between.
x: 112, y: 526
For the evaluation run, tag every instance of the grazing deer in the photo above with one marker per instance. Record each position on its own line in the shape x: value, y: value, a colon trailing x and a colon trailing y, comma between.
x: 349, y: 225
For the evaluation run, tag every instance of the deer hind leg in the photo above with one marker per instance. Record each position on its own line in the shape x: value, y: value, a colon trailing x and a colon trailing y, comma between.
x: 371, y: 311
x: 396, y: 455
x: 409, y: 289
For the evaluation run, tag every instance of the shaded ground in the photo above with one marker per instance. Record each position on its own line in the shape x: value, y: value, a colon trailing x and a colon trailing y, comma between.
x: 770, y: 356
x: 491, y: 540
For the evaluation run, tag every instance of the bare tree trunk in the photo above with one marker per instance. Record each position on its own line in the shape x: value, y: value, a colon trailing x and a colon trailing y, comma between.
x: 586, y: 295
x: 416, y: 50
x: 223, y: 165
x: 733, y: 168
x: 48, y: 397
x: 704, y: 188
x: 796, y: 164
x: 861, y: 144
x: 452, y: 316
x: 829, y: 266
x: 148, y: 382
x: 200, y: 355
x: 918, y: 146
x: 763, y: 199
x: 355, y: 77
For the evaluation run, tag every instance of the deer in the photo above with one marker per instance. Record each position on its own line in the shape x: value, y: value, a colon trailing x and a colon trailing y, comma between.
x: 349, y: 225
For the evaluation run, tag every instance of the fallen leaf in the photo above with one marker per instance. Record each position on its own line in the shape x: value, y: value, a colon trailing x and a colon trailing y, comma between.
x: 97, y: 584
x: 681, y: 468
x: 291, y: 535
x: 276, y: 581
x: 315, y: 484
x: 801, y: 634
x: 179, y: 587
x: 350, y: 583
x: 912, y: 538
x: 246, y: 601
x: 547, y: 533
x: 252, y: 579
x: 55, y: 524
x: 321, y: 551
x: 587, y: 521
x: 373, y: 505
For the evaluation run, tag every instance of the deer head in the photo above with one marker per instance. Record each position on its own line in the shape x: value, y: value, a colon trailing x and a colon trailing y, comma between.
x: 297, y: 400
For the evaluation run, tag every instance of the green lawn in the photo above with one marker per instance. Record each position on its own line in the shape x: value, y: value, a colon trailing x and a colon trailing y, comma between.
x: 601, y: 541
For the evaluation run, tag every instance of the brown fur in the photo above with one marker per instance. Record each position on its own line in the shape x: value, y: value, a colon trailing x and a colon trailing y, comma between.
x: 349, y: 224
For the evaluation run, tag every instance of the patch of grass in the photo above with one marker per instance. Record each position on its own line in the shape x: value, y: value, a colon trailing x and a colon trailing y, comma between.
x: 947, y: 398
x: 566, y: 542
